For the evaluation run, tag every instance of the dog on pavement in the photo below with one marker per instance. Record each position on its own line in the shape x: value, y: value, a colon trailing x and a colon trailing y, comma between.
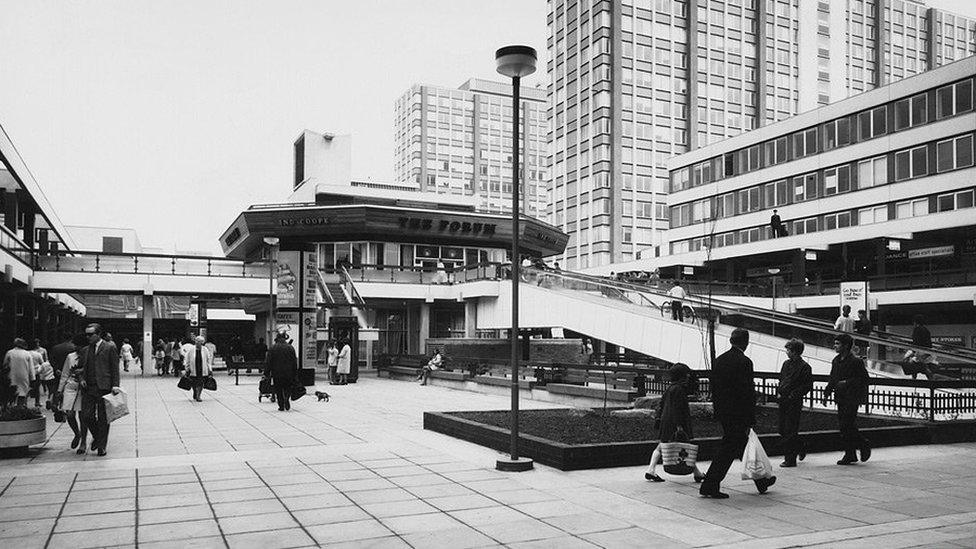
x: 322, y: 396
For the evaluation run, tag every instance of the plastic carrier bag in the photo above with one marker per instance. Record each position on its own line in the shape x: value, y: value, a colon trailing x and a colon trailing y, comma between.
x: 116, y: 406
x: 755, y: 462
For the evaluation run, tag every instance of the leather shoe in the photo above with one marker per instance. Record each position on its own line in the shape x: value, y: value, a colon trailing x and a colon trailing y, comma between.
x: 847, y: 460
x: 865, y: 452
x: 802, y: 455
x: 763, y: 484
x: 652, y: 477
x: 713, y: 495
x: 788, y: 463
x: 101, y: 452
x: 75, y: 441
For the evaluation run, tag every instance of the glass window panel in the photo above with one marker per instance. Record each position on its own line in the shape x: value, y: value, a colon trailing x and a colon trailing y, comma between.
x: 798, y: 144
x: 964, y: 200
x: 902, y: 166
x: 830, y: 135
x: 830, y: 222
x: 781, y: 149
x: 919, y: 110
x: 811, y: 186
x: 964, y: 151
x: 843, y: 131
x: 964, y: 96
x: 811, y: 140
x: 843, y: 220
x: 919, y: 161
x: 865, y: 177
x: 947, y: 202
x: 864, y: 125
x: 880, y: 123
x: 944, y: 153
x: 781, y: 192
x: 843, y: 179
x: 830, y: 182
x: 901, y: 114
x: 811, y: 225
x: 944, y: 102
x: 903, y: 210
x: 881, y: 170
x: 865, y: 216
x: 920, y: 207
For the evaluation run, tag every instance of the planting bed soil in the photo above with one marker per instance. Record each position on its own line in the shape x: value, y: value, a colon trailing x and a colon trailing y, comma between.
x: 574, y: 426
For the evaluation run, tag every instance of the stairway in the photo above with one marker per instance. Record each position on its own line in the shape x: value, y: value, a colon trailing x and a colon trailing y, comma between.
x: 337, y: 294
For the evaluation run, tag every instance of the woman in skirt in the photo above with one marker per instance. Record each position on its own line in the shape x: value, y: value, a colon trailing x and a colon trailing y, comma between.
x: 69, y: 394
x: 673, y: 414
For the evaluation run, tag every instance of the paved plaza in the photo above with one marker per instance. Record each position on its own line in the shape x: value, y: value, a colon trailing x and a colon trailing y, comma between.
x: 360, y: 471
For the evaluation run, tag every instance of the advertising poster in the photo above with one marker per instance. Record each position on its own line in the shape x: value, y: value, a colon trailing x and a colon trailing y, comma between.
x: 309, y: 280
x: 193, y: 314
x: 287, y: 322
x: 289, y: 267
x: 854, y: 294
x: 309, y: 354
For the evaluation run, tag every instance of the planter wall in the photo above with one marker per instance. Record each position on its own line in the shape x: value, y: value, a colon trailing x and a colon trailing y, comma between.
x: 17, y: 434
x: 569, y: 457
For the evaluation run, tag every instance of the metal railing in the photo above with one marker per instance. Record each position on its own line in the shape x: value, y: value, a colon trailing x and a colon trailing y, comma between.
x: 14, y: 246
x: 424, y: 275
x: 129, y: 263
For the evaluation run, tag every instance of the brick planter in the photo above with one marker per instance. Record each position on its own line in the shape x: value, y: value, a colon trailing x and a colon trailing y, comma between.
x: 569, y: 457
x: 23, y: 433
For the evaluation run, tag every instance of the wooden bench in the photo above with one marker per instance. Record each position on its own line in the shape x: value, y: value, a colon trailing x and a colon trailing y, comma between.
x: 616, y: 395
x: 500, y: 381
x: 411, y: 366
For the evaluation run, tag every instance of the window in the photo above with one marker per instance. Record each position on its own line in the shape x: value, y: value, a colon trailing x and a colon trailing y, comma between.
x: 954, y: 99
x: 911, y: 163
x: 872, y: 172
x: 919, y: 161
x: 919, y: 109
x: 805, y: 187
x: 954, y: 153
x: 902, y: 115
x: 871, y: 123
x: 868, y: 216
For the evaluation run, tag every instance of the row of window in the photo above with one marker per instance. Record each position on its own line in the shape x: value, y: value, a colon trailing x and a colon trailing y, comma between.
x: 909, y: 112
x: 950, y: 154
x: 917, y: 207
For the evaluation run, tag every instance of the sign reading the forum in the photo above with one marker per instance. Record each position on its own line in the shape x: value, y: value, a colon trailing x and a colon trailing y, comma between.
x: 289, y: 267
x: 444, y: 225
x: 854, y: 294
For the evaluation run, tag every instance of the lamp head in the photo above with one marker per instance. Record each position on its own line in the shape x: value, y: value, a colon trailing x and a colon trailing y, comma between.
x: 271, y: 240
x: 515, y: 61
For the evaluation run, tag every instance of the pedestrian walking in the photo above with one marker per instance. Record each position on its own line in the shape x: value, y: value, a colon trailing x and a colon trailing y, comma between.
x: 57, y: 355
x: 795, y: 381
x: 281, y: 366
x: 849, y: 384
x: 863, y: 327
x: 673, y: 415
x: 844, y: 322
x: 159, y: 355
x: 100, y: 361
x: 18, y: 364
x: 42, y: 373
x: 168, y: 355
x: 199, y: 365
x: 126, y: 351
x: 921, y: 337
x: 333, y: 362
x: 734, y: 400
x: 70, y: 397
x: 677, y: 295
x: 344, y: 361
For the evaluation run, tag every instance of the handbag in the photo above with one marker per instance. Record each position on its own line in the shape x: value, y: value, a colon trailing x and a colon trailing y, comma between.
x: 298, y: 391
x: 210, y: 383
x: 755, y: 462
x: 185, y: 383
x: 679, y: 457
x: 265, y: 387
x: 59, y: 415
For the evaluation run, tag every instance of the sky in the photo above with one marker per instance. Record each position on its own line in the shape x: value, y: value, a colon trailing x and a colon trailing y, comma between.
x: 170, y: 117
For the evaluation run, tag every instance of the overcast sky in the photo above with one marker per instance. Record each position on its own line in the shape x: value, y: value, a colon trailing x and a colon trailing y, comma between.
x: 171, y: 117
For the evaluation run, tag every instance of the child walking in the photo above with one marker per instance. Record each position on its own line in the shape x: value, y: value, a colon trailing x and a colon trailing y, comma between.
x: 673, y: 415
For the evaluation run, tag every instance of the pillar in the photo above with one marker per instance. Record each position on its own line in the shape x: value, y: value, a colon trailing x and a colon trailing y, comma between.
x: 10, y: 206
x: 882, y: 251
x: 424, y: 328
x: 470, y: 318
x: 799, y: 266
x: 148, y: 312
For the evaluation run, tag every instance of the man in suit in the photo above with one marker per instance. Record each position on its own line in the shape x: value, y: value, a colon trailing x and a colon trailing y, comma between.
x: 58, y: 354
x: 734, y: 399
x: 282, y: 365
x: 100, y: 361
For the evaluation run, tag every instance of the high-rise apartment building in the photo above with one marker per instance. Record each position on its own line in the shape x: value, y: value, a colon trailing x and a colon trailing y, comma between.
x: 633, y: 83
x: 459, y: 141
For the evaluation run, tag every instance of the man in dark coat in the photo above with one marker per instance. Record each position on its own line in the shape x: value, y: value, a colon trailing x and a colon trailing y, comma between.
x: 58, y: 354
x: 849, y: 384
x: 795, y: 381
x: 281, y: 365
x: 734, y: 400
x: 100, y: 362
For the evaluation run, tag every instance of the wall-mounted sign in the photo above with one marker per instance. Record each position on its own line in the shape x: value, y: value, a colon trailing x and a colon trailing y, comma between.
x: 311, y: 221
x: 309, y: 354
x: 444, y: 225
x: 937, y: 251
x: 854, y: 294
x: 193, y: 314
x: 950, y: 340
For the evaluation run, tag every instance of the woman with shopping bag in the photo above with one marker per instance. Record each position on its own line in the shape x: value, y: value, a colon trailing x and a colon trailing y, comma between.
x: 199, y: 366
x: 69, y: 395
x: 674, y: 424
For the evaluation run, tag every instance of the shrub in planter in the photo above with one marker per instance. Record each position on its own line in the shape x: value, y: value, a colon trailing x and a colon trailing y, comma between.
x: 21, y: 427
x: 20, y: 413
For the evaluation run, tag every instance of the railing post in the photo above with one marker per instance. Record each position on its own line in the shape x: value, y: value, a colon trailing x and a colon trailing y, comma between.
x: 931, y: 402
x: 98, y: 263
x: 208, y: 267
x: 135, y: 263
x: 172, y: 262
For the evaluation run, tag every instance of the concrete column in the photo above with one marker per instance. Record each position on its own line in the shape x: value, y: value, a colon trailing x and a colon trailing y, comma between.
x: 799, y: 266
x: 470, y: 318
x: 10, y: 207
x: 424, y: 328
x: 148, y: 312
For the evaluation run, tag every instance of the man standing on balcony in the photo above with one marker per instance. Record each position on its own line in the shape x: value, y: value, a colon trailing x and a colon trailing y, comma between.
x: 849, y: 383
x: 734, y: 400
x: 776, y: 225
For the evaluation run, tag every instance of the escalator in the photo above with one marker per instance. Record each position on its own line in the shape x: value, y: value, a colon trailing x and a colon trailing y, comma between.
x: 638, y: 317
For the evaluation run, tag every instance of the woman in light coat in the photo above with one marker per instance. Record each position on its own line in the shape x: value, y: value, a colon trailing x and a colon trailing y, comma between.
x: 199, y: 365
x: 343, y: 362
x: 18, y: 364
x: 69, y: 394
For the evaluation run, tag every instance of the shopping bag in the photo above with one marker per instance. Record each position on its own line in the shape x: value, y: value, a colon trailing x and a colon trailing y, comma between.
x: 210, y: 383
x: 116, y: 406
x: 297, y: 391
x: 185, y: 383
x: 678, y: 458
x: 265, y: 387
x: 755, y: 462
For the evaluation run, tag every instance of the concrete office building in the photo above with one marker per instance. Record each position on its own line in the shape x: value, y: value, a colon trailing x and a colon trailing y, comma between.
x: 878, y: 188
x: 632, y: 84
x: 459, y: 141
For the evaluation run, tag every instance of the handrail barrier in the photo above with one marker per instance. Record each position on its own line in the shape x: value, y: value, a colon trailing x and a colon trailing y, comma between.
x: 139, y: 263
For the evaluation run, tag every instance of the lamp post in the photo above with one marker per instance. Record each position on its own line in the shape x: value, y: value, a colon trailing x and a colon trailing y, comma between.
x: 272, y: 243
x: 773, y: 271
x: 515, y: 62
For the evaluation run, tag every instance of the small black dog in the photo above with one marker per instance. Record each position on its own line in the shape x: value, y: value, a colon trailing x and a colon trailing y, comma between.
x: 322, y: 396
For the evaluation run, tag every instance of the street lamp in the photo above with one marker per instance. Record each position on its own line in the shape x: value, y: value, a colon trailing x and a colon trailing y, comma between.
x: 272, y: 243
x: 515, y: 62
x: 773, y: 271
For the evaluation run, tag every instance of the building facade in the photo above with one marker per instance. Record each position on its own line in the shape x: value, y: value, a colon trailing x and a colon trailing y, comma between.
x: 459, y: 141
x: 876, y: 187
x: 632, y: 84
